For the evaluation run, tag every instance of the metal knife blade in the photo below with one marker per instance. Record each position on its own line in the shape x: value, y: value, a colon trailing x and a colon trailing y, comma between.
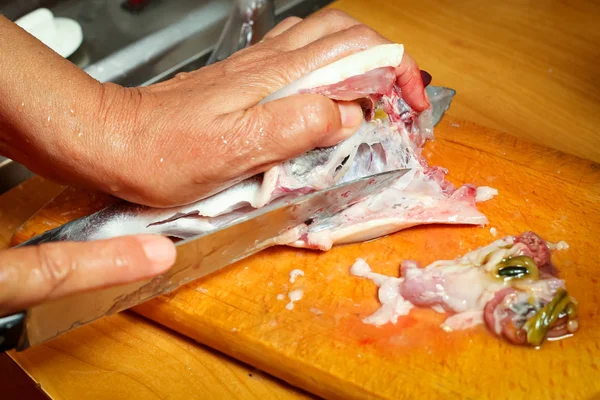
x: 196, y: 257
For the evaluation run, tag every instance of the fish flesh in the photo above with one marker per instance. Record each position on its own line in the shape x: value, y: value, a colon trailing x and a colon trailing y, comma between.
x: 390, y: 137
x: 509, y: 285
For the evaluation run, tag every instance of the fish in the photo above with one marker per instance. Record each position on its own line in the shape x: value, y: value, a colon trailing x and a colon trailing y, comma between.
x: 509, y: 285
x: 390, y: 137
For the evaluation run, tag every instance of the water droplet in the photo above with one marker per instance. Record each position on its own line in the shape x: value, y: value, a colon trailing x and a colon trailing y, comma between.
x: 182, y: 75
x: 72, y: 111
x: 162, y: 159
x: 247, y: 142
x: 114, y: 188
x: 224, y: 141
x: 80, y: 134
x: 260, y: 148
x: 21, y: 106
x: 261, y: 130
x: 47, y: 122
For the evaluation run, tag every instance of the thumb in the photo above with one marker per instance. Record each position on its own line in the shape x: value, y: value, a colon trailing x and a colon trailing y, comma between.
x: 410, y: 80
x: 293, y: 125
x: 31, y: 275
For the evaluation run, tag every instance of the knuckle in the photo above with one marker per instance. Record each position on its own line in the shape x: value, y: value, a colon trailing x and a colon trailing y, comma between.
x: 331, y: 15
x: 247, y: 61
x: 120, y: 252
x: 230, y: 165
x: 290, y: 20
x: 55, y: 264
x: 9, y: 275
x: 282, y: 26
x: 294, y: 133
x: 364, y: 32
x: 281, y: 72
x: 318, y: 117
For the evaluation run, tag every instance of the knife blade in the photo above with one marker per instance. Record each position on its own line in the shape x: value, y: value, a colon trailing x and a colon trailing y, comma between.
x: 196, y: 257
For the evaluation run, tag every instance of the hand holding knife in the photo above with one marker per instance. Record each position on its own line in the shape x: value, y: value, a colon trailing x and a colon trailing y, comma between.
x: 196, y: 257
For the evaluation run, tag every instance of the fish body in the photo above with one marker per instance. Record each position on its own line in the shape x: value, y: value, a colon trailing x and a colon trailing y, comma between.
x: 390, y: 137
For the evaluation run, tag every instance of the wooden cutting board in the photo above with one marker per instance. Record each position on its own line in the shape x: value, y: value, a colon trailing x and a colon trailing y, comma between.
x: 322, y: 345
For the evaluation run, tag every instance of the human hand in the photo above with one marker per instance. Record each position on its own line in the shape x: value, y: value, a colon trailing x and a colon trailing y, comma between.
x: 203, y: 131
x: 32, y: 275
x: 184, y: 139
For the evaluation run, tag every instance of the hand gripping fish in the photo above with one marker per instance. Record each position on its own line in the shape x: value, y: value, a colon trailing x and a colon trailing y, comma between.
x: 391, y: 136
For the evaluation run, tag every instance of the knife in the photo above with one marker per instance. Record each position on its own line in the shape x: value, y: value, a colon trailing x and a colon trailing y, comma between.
x: 196, y: 257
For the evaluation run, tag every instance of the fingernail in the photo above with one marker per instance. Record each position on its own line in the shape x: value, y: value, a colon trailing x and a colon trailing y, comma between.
x: 159, y: 250
x: 426, y: 78
x: 351, y: 114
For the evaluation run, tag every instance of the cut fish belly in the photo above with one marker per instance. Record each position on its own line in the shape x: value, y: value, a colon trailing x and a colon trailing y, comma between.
x: 509, y: 285
x: 392, y: 210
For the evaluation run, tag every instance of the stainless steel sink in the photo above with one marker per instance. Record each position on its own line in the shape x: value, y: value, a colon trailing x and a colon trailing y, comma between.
x: 11, y: 174
x: 138, y: 47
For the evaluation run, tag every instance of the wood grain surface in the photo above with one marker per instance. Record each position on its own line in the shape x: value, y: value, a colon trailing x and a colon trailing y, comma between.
x: 322, y: 345
x: 123, y: 356
x: 526, y: 68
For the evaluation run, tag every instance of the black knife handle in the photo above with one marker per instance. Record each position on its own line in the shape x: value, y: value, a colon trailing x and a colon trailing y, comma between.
x: 11, y: 330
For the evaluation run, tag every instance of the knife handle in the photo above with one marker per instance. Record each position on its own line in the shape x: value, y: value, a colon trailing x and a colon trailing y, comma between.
x: 11, y: 329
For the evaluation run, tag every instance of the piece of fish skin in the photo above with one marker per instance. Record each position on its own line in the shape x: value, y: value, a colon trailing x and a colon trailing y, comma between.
x: 124, y: 219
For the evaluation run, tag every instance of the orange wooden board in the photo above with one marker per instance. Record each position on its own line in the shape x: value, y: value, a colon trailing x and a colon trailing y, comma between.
x: 335, y: 355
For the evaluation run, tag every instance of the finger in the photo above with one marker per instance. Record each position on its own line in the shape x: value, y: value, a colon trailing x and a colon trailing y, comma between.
x: 411, y: 83
x: 313, y: 28
x: 351, y: 116
x: 298, y: 63
x: 282, y: 27
x: 30, y: 275
x: 289, y: 127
